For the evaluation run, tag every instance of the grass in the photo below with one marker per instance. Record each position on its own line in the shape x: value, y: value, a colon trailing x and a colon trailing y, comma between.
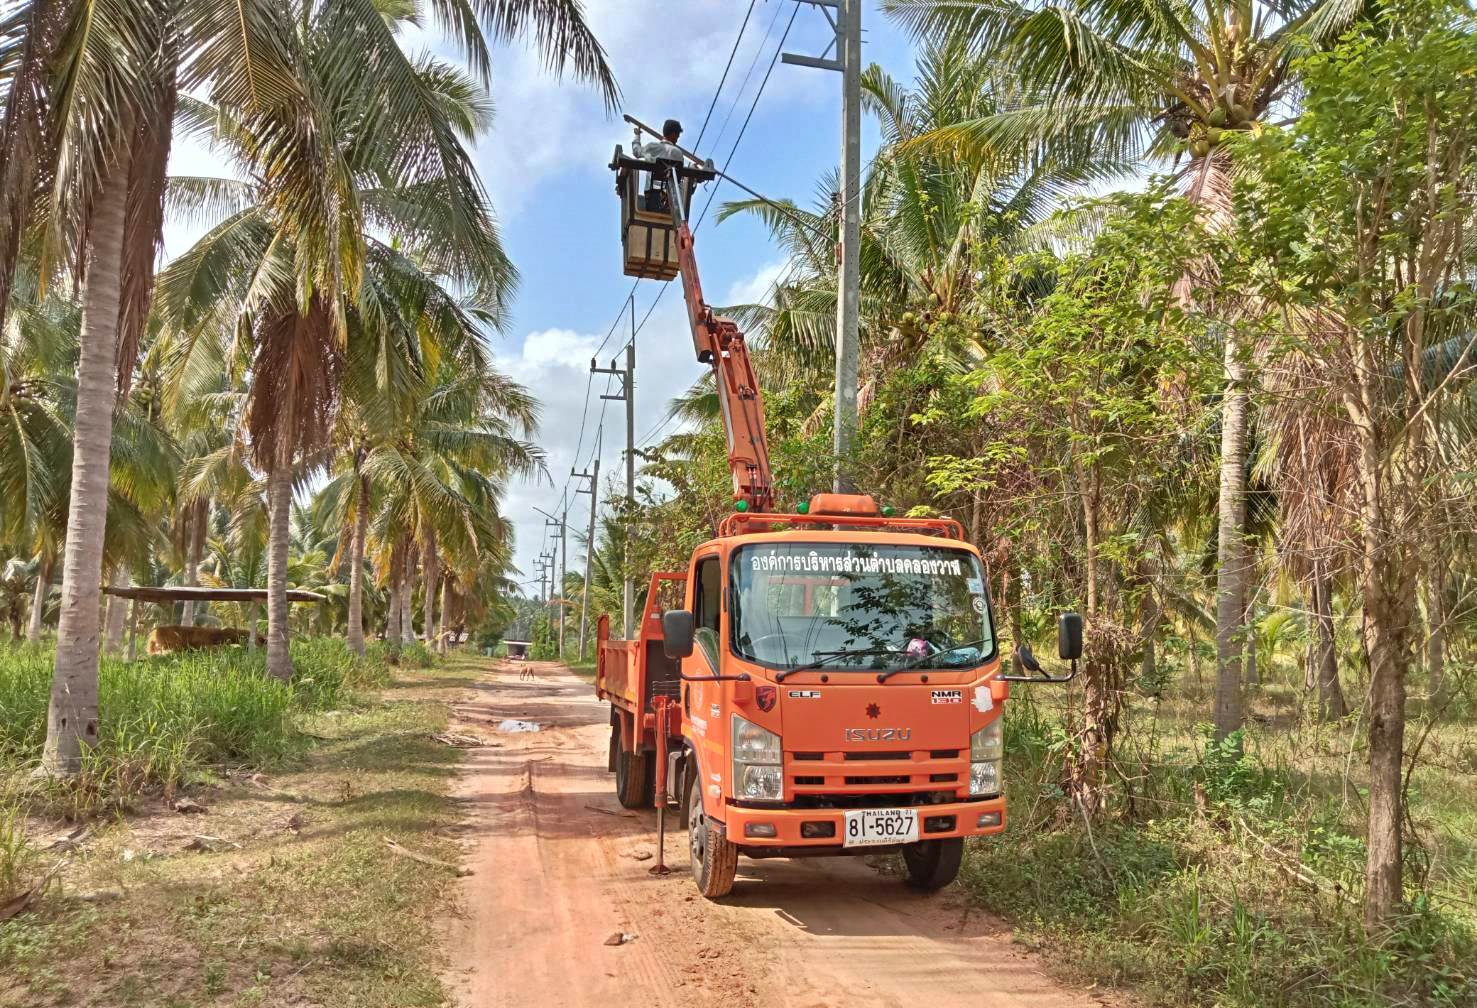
x: 1232, y: 877
x: 164, y: 720
x: 585, y: 670
x: 300, y: 901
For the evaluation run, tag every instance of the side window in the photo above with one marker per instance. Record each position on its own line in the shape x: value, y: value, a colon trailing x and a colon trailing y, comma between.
x: 709, y: 595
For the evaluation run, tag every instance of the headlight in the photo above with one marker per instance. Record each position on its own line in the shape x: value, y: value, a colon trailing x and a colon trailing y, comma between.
x: 984, y: 778
x: 986, y: 746
x: 987, y: 743
x: 759, y: 783
x: 752, y: 744
x: 758, y: 772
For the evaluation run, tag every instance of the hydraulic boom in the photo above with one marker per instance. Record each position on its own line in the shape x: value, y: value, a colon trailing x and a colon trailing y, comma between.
x: 720, y: 343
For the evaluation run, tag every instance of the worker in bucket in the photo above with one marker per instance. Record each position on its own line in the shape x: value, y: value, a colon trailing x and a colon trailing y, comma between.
x: 665, y: 149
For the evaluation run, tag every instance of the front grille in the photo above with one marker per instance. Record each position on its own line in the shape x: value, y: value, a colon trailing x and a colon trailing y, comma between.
x: 889, y: 778
x: 862, y: 781
x: 896, y: 799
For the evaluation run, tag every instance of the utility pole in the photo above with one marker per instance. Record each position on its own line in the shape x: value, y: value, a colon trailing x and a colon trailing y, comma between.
x: 546, y: 578
x: 594, y: 491
x: 628, y: 396
x: 848, y: 45
x: 562, y: 524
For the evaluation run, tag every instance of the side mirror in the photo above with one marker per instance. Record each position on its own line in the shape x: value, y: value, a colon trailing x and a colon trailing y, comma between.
x: 678, y: 627
x: 1069, y: 636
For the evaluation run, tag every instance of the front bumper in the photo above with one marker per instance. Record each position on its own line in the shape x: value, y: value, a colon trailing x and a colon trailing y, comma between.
x: 796, y: 827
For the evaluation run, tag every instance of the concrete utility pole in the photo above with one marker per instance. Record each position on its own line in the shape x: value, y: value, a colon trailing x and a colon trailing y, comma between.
x: 562, y: 524
x: 594, y: 491
x: 627, y: 395
x: 848, y: 45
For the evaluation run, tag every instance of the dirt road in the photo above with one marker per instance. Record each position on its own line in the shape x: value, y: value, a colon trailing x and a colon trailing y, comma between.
x: 559, y: 868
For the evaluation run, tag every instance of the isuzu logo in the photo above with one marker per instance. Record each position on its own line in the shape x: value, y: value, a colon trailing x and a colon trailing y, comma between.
x: 878, y: 734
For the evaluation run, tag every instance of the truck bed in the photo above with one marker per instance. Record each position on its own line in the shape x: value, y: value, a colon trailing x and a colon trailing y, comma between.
x: 630, y: 673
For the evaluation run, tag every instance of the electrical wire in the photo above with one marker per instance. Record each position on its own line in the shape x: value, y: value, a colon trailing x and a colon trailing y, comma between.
x: 724, y: 79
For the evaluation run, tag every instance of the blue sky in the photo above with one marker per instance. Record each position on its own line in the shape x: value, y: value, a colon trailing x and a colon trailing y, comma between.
x: 545, y: 166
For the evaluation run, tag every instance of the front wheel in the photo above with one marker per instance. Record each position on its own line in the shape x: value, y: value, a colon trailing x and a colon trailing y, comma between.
x: 714, y: 856
x: 933, y: 864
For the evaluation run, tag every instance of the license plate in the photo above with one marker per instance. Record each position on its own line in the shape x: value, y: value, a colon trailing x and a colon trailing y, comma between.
x: 875, y: 827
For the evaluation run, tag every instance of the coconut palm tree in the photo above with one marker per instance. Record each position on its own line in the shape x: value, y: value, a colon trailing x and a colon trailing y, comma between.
x: 381, y: 143
x: 929, y: 214
x: 89, y: 92
x: 433, y: 477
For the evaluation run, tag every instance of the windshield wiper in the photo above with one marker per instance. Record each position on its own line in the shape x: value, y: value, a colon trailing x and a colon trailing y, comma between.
x: 831, y: 656
x: 920, y: 662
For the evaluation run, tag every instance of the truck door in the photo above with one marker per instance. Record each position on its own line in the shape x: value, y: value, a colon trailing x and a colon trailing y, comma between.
x: 707, y: 608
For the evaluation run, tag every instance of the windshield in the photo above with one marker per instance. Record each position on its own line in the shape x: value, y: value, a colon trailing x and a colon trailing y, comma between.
x: 859, y: 606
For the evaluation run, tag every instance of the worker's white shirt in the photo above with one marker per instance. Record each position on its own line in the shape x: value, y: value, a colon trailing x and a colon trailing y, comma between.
x: 658, y: 150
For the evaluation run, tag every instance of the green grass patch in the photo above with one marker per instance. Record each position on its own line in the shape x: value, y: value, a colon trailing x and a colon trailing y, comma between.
x: 165, y: 720
x: 1226, y: 877
x: 311, y: 908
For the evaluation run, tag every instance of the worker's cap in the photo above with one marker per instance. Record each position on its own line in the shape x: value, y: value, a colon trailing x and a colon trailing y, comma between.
x: 671, y: 128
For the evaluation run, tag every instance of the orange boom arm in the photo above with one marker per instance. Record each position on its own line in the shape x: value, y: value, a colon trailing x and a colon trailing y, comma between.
x: 719, y: 342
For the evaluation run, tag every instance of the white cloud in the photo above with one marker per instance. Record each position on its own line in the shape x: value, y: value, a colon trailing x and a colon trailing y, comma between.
x: 560, y: 347
x: 555, y: 365
x: 759, y: 288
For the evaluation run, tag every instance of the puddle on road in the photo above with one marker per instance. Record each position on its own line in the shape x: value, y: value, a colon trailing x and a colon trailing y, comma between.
x: 518, y: 726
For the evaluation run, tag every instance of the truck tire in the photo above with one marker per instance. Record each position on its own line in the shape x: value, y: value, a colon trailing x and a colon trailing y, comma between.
x: 615, y: 742
x: 933, y: 864
x: 634, y: 777
x: 714, y: 856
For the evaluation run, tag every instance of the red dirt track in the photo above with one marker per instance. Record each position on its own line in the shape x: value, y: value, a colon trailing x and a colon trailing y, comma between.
x: 556, y: 874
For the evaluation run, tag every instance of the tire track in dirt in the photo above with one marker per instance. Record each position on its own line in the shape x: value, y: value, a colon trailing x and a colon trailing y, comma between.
x: 555, y: 875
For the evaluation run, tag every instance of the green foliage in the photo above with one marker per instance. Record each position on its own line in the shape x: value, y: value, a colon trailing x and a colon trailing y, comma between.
x: 1192, y: 910
x: 164, y: 720
x: 18, y: 860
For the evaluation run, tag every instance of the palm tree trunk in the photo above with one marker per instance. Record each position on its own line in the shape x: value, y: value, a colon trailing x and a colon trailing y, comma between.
x: 279, y: 516
x: 1331, y: 703
x: 393, y: 610
x: 117, y: 613
x: 407, y: 598
x: 133, y: 630
x: 431, y: 573
x: 199, y: 512
x: 38, y: 600
x: 441, y: 612
x: 356, y: 565
x: 71, y: 718
x: 1230, y: 604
